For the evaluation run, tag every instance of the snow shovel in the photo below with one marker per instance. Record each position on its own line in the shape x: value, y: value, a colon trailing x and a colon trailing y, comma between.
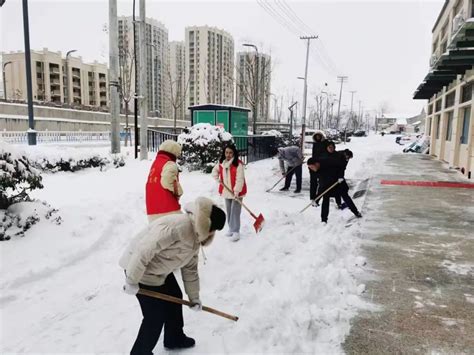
x: 322, y: 194
x: 169, y: 298
x: 283, y: 177
x: 259, y: 220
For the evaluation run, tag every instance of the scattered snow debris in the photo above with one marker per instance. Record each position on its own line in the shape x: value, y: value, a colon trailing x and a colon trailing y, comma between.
x: 411, y: 289
x: 460, y: 269
x: 361, y: 261
x: 469, y: 297
x: 360, y: 289
x: 419, y: 305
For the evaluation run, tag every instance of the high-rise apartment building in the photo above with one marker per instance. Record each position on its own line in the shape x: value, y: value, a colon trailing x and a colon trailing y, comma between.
x: 86, y: 84
x: 449, y: 87
x: 253, y: 83
x: 209, y: 66
x: 157, y: 59
x: 178, y: 84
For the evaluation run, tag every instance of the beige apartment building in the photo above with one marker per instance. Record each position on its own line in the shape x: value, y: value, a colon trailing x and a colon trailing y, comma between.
x: 178, y: 83
x: 157, y: 61
x: 85, y: 85
x: 448, y: 87
x: 246, y: 75
x: 209, y: 66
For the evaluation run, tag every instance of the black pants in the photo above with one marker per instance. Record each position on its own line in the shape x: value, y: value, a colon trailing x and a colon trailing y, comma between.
x: 289, y: 175
x: 313, y: 184
x: 340, y: 192
x: 157, y: 313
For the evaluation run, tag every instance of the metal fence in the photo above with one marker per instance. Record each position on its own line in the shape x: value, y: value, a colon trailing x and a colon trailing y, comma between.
x: 251, y: 148
x: 155, y: 138
x: 19, y: 137
x: 254, y: 148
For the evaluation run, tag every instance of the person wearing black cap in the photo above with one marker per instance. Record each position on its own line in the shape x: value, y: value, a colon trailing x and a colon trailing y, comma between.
x: 169, y: 243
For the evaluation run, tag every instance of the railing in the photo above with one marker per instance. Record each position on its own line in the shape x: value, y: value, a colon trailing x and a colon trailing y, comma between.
x: 155, y: 138
x: 60, y: 136
x: 254, y: 148
x: 251, y: 148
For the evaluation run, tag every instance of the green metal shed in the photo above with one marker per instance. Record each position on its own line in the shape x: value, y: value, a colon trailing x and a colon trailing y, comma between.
x: 232, y: 118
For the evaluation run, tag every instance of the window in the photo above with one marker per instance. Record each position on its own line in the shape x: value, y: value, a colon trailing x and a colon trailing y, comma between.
x: 465, y: 126
x: 449, y: 100
x: 466, y: 92
x: 438, y: 119
x: 449, y: 125
x: 438, y: 105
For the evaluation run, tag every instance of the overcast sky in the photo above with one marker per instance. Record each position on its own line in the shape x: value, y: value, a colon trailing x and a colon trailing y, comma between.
x: 382, y: 46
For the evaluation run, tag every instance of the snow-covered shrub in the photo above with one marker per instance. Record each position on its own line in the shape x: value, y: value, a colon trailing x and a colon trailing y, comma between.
x: 20, y: 217
x: 54, y: 164
x: 17, y: 176
x: 202, y: 145
x: 282, y: 140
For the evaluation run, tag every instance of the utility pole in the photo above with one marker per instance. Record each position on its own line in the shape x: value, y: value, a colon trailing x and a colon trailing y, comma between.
x: 143, y: 99
x: 113, y: 78
x: 31, y: 133
x: 291, y: 118
x: 67, y: 98
x: 305, y: 94
x: 135, y: 96
x: 341, y: 79
x: 352, y: 102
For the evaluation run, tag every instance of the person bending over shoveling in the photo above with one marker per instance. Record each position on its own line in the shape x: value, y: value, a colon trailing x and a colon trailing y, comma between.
x: 293, y: 157
x: 330, y: 171
x: 167, y: 244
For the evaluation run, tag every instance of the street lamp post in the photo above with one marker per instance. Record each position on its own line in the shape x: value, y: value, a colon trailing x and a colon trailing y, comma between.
x: 4, y: 81
x: 31, y: 133
x: 67, y: 98
x: 256, y: 91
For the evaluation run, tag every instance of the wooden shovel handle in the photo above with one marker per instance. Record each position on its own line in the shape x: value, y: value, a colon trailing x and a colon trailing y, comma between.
x: 238, y: 200
x: 169, y: 298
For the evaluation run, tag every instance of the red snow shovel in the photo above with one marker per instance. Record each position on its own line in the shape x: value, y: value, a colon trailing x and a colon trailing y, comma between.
x: 259, y: 220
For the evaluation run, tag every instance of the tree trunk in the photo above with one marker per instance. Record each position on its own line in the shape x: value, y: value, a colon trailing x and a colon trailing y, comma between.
x: 127, y: 129
x: 174, y: 118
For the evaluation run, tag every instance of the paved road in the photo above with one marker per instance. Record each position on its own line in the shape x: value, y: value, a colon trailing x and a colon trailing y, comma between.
x: 419, y: 243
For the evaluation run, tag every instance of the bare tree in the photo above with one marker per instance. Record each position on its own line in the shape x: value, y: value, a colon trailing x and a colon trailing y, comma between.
x: 126, y: 66
x: 177, y: 95
x: 246, y: 81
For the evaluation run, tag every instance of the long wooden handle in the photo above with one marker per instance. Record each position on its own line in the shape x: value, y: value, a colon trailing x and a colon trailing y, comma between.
x: 321, y: 195
x: 238, y: 200
x: 169, y: 298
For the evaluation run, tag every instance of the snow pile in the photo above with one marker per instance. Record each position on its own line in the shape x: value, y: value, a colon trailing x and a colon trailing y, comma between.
x: 272, y: 132
x: 202, y: 146
x: 293, y: 285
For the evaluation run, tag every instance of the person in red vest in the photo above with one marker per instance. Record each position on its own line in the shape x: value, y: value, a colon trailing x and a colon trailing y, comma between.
x: 230, y: 171
x: 162, y: 187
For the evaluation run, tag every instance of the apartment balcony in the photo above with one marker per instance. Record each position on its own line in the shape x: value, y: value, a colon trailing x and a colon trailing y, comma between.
x: 458, y: 58
x: 55, y: 93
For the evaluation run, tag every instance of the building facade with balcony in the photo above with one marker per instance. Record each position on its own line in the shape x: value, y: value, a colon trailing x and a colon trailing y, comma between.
x: 85, y: 85
x: 157, y: 59
x: 209, y: 66
x: 246, y: 73
x: 448, y: 87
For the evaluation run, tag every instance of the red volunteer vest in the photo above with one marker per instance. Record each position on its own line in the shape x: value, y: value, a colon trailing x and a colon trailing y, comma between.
x: 158, y: 199
x: 233, y: 177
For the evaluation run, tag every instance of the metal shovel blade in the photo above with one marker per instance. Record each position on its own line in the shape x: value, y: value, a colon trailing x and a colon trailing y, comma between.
x: 259, y: 222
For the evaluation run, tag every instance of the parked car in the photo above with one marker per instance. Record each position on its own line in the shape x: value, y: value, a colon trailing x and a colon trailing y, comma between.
x: 421, y: 145
x: 360, y: 133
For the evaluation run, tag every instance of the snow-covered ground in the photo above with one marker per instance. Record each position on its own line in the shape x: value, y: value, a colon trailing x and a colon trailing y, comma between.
x: 292, y: 285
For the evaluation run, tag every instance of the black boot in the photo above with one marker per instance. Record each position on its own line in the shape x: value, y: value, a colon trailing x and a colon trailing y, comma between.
x: 284, y: 189
x: 182, y: 343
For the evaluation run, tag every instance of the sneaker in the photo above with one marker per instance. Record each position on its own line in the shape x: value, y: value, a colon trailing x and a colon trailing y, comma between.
x: 182, y: 343
x: 324, y: 223
x: 284, y: 189
x: 235, y: 237
x: 314, y: 203
x: 228, y: 234
x: 358, y: 215
x: 297, y: 191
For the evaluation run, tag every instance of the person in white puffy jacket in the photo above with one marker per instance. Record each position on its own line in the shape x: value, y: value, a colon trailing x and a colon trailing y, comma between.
x: 167, y: 244
x: 230, y: 171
